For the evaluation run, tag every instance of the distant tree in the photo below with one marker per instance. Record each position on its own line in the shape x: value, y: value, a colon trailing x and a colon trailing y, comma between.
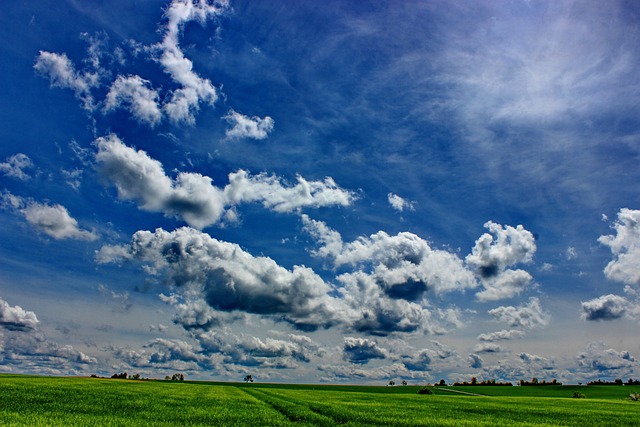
x: 167, y: 378
x: 578, y: 395
x: 442, y: 383
x: 392, y: 383
x: 474, y: 381
x: 248, y: 379
x: 618, y: 381
x: 404, y: 382
x: 177, y: 377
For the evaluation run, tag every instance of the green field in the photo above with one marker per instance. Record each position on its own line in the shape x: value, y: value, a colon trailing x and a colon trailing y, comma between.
x: 44, y: 401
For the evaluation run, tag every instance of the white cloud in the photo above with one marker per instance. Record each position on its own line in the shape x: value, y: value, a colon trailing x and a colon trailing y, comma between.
x: 526, y: 316
x: 625, y: 247
x: 232, y: 280
x: 571, y: 253
x: 192, y: 196
x: 15, y: 166
x: 62, y: 73
x: 405, y: 263
x: 54, y: 221
x: 400, y: 204
x: 134, y: 94
x: 606, y: 307
x: 269, y: 190
x: 599, y: 360
x: 502, y: 335
x: 185, y: 100
x: 494, y: 252
x: 16, y: 318
x: 248, y: 127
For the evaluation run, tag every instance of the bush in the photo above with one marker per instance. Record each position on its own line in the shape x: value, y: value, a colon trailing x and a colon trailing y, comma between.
x: 425, y: 390
x: 578, y: 395
x: 634, y: 396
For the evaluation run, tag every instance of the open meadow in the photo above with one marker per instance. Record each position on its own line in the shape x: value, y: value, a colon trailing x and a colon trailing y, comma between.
x: 51, y: 401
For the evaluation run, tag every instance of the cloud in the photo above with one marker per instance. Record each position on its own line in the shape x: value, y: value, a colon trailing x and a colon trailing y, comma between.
x: 22, y: 344
x: 487, y: 348
x: 606, y: 307
x: 248, y: 127
x: 54, y: 221
x: 400, y: 204
x: 270, y: 191
x: 62, y: 73
x: 230, y: 279
x: 405, y: 265
x: 494, y: 252
x: 120, y: 299
x: 135, y: 95
x: 15, y: 166
x: 597, y: 360
x: 571, y: 253
x: 526, y: 316
x: 185, y: 101
x: 16, y: 318
x: 421, y: 361
x: 193, y: 197
x: 501, y: 335
x: 625, y: 247
x: 361, y: 350
x: 475, y: 361
x: 391, y: 278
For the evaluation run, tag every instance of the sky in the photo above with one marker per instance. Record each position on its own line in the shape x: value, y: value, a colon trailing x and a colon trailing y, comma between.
x: 303, y: 191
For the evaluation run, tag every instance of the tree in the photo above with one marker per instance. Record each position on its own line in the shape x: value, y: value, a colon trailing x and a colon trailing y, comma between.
x: 474, y: 381
x: 442, y: 383
x: 392, y: 383
x: 404, y: 382
x: 177, y: 377
x: 248, y: 379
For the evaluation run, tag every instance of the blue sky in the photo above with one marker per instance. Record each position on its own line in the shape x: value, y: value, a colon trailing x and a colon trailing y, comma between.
x: 320, y: 192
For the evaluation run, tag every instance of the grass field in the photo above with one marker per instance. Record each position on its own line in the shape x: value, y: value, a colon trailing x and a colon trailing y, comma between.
x: 44, y: 401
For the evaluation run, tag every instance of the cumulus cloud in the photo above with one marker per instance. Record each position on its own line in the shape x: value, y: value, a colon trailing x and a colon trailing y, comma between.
x: 494, y: 253
x: 525, y: 316
x: 16, y: 318
x: 421, y: 361
x: 405, y: 265
x: 501, y: 335
x: 606, y: 307
x: 185, y: 101
x: 391, y: 277
x: 15, y: 166
x: 22, y: 344
x: 230, y: 279
x: 475, y: 361
x: 248, y: 127
x: 54, y: 221
x: 194, y: 198
x: 362, y: 350
x: 487, y: 348
x: 625, y: 247
x: 597, y: 360
x: 135, y: 95
x: 62, y: 73
x: 400, y: 204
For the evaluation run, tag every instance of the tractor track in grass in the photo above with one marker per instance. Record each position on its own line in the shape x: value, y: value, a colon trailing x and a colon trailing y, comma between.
x: 295, y: 411
x: 466, y: 393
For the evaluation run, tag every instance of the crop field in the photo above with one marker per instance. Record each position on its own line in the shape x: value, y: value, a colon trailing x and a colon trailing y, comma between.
x: 45, y: 401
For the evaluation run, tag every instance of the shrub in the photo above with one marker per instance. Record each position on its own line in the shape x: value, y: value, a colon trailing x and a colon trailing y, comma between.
x: 425, y: 390
x: 578, y: 395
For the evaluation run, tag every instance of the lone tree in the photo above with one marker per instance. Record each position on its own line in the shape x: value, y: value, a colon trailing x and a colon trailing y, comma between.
x: 248, y: 379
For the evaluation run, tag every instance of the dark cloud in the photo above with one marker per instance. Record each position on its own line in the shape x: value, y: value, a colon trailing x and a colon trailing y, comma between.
x: 361, y: 350
x: 475, y: 361
x: 606, y: 307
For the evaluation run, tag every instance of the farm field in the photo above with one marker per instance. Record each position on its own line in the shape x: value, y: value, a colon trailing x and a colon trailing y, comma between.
x: 51, y: 401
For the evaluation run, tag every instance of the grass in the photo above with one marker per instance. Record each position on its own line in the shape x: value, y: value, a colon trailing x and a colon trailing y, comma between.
x: 45, y: 401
